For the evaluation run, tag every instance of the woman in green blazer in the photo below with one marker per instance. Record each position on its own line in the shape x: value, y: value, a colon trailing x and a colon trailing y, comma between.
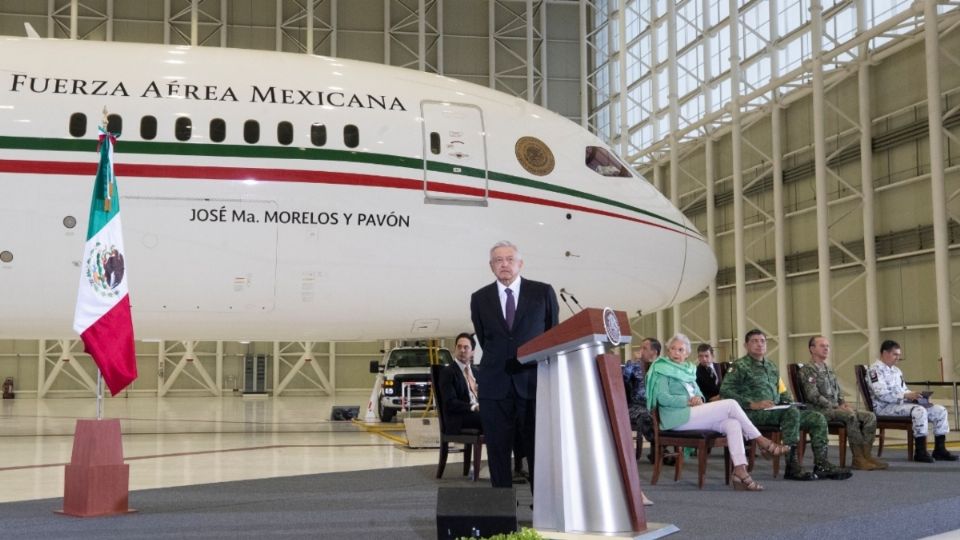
x: 672, y: 389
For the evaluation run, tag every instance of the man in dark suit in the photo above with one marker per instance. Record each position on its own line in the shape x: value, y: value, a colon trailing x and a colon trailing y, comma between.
x: 708, y: 373
x: 460, y: 401
x: 506, y: 314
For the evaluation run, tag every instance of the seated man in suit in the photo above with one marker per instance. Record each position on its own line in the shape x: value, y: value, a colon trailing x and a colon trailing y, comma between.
x: 708, y: 373
x: 458, y: 385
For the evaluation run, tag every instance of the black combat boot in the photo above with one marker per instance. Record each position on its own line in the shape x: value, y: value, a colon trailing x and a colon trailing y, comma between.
x: 940, y: 452
x: 920, y: 450
x: 794, y: 470
x: 824, y: 469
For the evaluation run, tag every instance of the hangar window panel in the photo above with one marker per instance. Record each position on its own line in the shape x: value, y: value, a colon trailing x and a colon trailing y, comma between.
x: 148, y: 127
x: 720, y: 93
x: 284, y: 133
x: 687, y: 30
x: 756, y: 73
x: 115, y: 124
x: 755, y: 30
x: 692, y: 110
x: 635, y: 67
x: 78, y: 124
x: 633, y: 23
x: 218, y: 130
x: 881, y: 10
x: 793, y: 14
x: 351, y: 136
x: 840, y: 28
x: 251, y: 131
x: 690, y: 72
x: 719, y: 10
x: 318, y: 134
x: 720, y: 52
x: 793, y: 52
x: 663, y: 37
x: 183, y: 128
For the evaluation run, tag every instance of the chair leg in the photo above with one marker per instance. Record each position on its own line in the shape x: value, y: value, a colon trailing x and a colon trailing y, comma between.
x: 751, y: 455
x: 842, y: 439
x: 466, y: 458
x: 639, y: 445
x: 701, y: 462
x: 777, y: 437
x: 909, y: 444
x: 880, y: 447
x: 727, y: 465
x: 678, y: 463
x: 444, y: 450
x: 477, y: 454
x: 657, y: 462
x: 802, y: 446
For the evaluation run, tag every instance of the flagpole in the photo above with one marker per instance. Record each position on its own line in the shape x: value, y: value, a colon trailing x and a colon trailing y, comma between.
x: 99, y: 395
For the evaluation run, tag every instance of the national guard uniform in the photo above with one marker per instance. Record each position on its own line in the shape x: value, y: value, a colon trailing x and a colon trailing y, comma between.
x: 634, y: 381
x: 887, y: 389
x: 749, y: 380
x: 822, y: 392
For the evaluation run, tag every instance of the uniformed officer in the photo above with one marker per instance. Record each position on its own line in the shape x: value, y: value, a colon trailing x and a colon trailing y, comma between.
x: 892, y: 397
x: 822, y: 392
x: 754, y: 381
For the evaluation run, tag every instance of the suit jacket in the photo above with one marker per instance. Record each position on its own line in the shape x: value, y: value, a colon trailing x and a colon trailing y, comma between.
x: 672, y: 401
x: 537, y: 312
x: 456, y: 396
x: 705, y: 381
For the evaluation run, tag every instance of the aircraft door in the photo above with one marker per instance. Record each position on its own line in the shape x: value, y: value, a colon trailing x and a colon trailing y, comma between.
x: 455, y: 154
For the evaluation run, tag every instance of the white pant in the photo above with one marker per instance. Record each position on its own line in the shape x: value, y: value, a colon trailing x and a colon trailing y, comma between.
x: 728, y: 418
x: 936, y: 415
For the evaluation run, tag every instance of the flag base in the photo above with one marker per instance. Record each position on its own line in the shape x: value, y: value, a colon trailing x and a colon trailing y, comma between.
x: 96, y: 481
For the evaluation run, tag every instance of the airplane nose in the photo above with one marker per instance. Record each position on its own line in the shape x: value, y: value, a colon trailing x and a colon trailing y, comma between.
x: 699, y: 269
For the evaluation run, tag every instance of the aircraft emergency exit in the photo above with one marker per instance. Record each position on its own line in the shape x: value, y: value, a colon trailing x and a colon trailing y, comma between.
x: 277, y: 196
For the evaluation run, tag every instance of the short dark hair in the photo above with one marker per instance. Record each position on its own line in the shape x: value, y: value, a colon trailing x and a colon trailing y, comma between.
x: 889, y: 345
x: 465, y: 335
x: 754, y: 332
x: 813, y: 341
x: 704, y: 347
x: 654, y: 344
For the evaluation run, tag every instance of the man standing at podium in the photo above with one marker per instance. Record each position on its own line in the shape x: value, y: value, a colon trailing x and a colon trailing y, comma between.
x: 506, y: 314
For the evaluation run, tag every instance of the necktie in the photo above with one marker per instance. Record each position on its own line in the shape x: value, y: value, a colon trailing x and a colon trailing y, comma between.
x: 511, y: 308
x: 713, y: 373
x: 471, y: 382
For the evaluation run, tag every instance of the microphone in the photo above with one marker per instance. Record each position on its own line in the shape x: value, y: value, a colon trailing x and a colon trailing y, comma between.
x: 564, y: 298
x: 572, y: 297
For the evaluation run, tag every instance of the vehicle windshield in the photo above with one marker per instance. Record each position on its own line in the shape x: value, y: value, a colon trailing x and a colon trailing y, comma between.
x: 414, y: 358
x: 604, y: 163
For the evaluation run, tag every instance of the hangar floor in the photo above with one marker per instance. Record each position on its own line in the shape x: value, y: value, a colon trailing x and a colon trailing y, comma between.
x: 276, y: 447
x: 178, y: 441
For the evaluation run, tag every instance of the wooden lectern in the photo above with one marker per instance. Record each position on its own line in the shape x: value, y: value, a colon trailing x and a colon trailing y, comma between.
x: 586, y: 478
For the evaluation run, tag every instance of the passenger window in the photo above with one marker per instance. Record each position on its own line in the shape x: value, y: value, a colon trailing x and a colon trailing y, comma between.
x: 183, y: 129
x: 318, y: 134
x: 78, y: 124
x: 285, y: 133
x: 351, y: 136
x: 251, y: 131
x: 218, y: 130
x: 114, y: 124
x: 602, y: 162
x: 148, y: 128
x: 434, y: 142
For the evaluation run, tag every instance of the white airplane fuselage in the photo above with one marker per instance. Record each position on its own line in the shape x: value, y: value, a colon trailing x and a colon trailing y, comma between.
x: 365, y: 208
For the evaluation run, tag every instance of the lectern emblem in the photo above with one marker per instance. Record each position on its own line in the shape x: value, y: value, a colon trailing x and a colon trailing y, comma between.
x: 611, y: 326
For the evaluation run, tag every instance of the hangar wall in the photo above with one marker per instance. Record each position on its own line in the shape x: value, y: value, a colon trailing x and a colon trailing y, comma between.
x: 903, y: 224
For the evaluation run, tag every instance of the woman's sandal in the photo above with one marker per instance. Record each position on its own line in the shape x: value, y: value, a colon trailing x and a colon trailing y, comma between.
x: 773, y: 449
x: 745, y: 482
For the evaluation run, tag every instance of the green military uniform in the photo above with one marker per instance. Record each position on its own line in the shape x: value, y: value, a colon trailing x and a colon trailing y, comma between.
x: 822, y: 392
x: 748, y: 381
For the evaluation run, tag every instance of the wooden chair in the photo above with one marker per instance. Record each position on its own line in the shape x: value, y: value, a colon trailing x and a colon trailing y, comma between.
x: 883, y: 422
x: 472, y: 439
x: 701, y: 440
x: 835, y: 427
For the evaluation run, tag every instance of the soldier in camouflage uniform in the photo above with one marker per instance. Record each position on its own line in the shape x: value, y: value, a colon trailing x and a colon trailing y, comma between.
x: 634, y: 381
x: 754, y: 381
x: 822, y: 392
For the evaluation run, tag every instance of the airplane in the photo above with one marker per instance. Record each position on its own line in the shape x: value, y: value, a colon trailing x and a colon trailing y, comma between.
x: 280, y: 196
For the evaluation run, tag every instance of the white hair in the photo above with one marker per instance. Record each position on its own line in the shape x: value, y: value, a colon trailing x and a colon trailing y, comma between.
x: 679, y: 337
x: 506, y: 244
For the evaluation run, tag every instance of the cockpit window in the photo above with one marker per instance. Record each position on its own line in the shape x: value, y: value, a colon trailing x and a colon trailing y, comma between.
x: 602, y: 162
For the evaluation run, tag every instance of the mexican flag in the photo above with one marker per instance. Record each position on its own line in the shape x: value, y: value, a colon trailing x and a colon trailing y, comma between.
x: 103, y: 317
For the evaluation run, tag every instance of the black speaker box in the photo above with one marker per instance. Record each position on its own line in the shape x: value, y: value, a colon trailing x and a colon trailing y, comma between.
x: 340, y: 413
x: 475, y: 512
